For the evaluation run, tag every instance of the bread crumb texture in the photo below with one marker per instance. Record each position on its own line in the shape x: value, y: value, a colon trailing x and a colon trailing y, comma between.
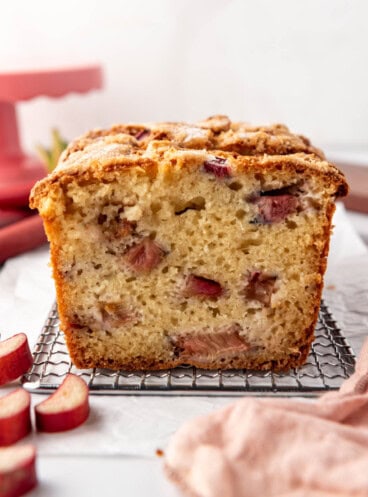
x: 202, y: 244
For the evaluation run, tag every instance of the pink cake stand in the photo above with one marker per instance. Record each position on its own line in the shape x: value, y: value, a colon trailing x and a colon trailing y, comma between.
x: 18, y: 171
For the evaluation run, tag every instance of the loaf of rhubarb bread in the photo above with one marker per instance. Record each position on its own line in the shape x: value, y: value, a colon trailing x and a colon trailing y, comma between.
x: 201, y: 244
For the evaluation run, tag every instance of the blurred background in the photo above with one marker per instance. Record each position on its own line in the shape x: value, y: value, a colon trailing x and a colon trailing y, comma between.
x: 299, y: 62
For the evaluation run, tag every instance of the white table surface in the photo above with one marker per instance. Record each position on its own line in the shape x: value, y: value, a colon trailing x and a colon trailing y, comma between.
x: 89, y: 476
x: 101, y: 477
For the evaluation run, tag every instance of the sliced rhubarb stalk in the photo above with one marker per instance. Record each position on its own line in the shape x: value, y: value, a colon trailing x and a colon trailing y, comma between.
x: 260, y: 286
x: 217, y: 166
x: 206, y: 347
x: 198, y: 286
x: 66, y: 408
x: 144, y: 256
x: 275, y: 208
x: 15, y: 419
x: 15, y: 358
x: 17, y: 470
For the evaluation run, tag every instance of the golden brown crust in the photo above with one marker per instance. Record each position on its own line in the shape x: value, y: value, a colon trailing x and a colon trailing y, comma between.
x: 99, y: 151
x: 216, y: 132
x: 309, y: 332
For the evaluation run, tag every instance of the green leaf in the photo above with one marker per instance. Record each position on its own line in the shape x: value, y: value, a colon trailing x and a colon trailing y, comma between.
x: 50, y: 157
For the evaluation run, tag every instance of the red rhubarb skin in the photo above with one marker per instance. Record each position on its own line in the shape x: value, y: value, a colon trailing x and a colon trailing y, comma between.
x: 274, y: 209
x: 15, y: 363
x: 19, y: 481
x: 62, y: 421
x: 16, y: 427
x: 201, y: 287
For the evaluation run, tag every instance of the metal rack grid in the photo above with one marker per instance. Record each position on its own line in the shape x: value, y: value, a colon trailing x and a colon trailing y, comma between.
x: 330, y: 361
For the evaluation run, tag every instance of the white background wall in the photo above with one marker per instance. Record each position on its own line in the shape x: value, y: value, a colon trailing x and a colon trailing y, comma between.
x: 303, y: 62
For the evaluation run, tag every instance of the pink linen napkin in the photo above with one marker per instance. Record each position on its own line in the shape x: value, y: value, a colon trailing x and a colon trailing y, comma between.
x: 278, y: 447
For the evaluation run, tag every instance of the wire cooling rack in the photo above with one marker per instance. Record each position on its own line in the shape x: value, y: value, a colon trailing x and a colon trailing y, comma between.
x: 330, y: 361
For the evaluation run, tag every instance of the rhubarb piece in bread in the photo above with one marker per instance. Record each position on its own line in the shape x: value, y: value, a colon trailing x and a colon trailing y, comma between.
x: 203, y: 244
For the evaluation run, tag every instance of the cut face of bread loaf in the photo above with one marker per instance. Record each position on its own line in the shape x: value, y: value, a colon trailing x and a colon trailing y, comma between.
x: 200, y: 244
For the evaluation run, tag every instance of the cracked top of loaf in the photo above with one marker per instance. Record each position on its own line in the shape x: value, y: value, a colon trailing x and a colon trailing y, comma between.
x: 100, y: 151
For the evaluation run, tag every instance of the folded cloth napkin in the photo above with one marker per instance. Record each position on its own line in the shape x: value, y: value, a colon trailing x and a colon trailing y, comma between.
x: 278, y: 447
